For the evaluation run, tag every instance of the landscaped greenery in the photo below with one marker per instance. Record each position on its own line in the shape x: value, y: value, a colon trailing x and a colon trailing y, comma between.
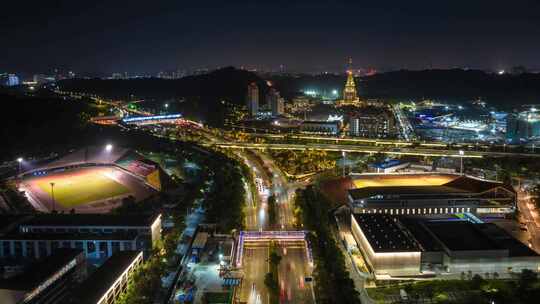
x: 272, y: 212
x: 333, y: 283
x: 524, y: 290
x: 307, y: 161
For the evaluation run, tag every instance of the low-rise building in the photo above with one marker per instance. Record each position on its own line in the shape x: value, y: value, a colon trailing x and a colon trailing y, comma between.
x: 107, y: 283
x: 419, y: 194
x: 403, y: 246
x: 45, y: 281
x: 320, y: 127
x: 98, y: 235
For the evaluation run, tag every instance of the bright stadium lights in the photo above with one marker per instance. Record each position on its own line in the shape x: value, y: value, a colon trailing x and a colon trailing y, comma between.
x: 19, y: 160
x: 108, y: 148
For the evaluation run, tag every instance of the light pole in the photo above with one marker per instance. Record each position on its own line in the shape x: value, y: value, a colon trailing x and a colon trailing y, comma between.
x: 108, y: 149
x: 343, y: 165
x: 20, y: 160
x: 52, y: 194
x: 461, y: 153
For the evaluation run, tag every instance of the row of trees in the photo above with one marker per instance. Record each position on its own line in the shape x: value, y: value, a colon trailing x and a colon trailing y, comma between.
x: 271, y: 279
x: 333, y: 283
x: 272, y: 211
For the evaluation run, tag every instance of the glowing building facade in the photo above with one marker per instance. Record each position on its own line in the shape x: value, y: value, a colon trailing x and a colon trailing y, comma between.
x: 252, y: 99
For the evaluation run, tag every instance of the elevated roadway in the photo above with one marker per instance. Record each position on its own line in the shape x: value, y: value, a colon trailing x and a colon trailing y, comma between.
x: 416, y: 151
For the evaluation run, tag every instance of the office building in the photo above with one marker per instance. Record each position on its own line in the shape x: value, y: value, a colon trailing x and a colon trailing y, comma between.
x: 252, y: 99
x: 373, y: 122
x: 98, y: 235
x: 404, y: 246
x: 108, y: 282
x: 420, y: 194
x: 46, y: 280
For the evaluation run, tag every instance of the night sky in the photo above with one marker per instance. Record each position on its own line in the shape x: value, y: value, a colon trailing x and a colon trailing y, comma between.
x: 149, y: 36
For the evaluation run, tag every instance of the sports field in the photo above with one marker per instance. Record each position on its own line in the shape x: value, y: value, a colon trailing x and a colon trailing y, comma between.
x: 79, y: 187
x: 402, y: 180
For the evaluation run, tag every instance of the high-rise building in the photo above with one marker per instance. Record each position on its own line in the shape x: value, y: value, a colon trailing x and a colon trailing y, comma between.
x: 275, y: 101
x: 9, y: 80
x: 523, y: 126
x: 252, y: 99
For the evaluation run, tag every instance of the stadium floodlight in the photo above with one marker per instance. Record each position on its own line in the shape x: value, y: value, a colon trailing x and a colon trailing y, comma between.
x: 108, y: 148
x: 19, y: 160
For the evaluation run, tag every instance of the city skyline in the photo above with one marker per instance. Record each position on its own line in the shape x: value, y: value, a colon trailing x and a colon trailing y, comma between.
x: 303, y: 36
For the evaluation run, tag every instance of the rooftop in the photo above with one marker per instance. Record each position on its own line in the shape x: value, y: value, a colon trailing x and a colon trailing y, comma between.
x: 95, y: 286
x: 422, y: 184
x: 405, y: 234
x: 131, y: 235
x: 91, y: 220
x: 384, y: 233
x: 41, y: 270
x: 460, y: 236
x: 394, y: 180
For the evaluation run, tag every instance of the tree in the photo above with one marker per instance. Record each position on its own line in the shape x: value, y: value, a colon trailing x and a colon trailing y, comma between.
x: 272, y: 213
x: 477, y: 281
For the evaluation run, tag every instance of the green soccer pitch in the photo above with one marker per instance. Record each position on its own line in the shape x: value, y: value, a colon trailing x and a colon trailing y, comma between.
x: 76, y: 188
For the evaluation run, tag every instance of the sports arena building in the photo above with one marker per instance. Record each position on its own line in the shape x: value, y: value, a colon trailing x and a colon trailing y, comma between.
x: 408, y: 247
x: 419, y: 194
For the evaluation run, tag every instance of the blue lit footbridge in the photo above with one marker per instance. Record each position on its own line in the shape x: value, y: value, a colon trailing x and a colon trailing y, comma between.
x: 263, y: 238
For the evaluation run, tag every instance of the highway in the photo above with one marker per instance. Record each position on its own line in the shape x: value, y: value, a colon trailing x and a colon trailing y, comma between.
x: 417, y: 151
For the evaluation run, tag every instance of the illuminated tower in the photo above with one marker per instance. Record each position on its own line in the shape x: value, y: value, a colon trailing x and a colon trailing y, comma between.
x: 349, y: 92
x: 252, y: 99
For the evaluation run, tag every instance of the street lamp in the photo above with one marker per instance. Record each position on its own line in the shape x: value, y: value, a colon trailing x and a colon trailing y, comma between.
x: 20, y: 160
x: 52, y: 194
x: 343, y: 165
x: 461, y: 153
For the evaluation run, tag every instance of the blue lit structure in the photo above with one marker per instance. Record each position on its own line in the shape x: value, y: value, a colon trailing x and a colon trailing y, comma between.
x: 150, y: 118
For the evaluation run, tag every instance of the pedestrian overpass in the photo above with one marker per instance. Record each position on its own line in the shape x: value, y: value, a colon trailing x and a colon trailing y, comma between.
x: 261, y: 237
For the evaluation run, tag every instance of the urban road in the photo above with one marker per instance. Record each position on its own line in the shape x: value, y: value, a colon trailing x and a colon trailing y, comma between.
x: 417, y: 151
x: 294, y: 267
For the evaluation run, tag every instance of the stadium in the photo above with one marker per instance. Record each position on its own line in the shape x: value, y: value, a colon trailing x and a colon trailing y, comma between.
x: 91, y: 180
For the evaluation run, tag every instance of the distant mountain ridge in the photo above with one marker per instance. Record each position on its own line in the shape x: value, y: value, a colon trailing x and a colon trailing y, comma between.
x: 206, y: 92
